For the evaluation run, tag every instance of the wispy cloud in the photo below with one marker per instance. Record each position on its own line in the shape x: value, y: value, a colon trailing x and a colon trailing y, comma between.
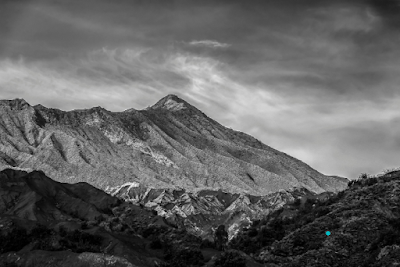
x: 209, y: 43
x: 118, y: 79
x: 316, y: 79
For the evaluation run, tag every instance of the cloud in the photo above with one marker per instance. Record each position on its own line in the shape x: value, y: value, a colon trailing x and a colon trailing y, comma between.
x: 209, y: 43
x: 317, y: 132
x: 110, y: 78
x: 388, y: 10
x: 307, y: 78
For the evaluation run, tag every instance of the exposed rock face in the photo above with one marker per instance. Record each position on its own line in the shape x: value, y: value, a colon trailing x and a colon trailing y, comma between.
x: 170, y: 145
x: 202, y: 212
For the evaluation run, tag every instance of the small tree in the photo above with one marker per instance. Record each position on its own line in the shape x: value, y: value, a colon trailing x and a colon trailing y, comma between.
x: 230, y: 259
x: 221, y: 238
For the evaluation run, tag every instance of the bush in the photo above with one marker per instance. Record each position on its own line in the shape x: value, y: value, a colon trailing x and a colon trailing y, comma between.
x: 9, y: 264
x: 207, y: 243
x: 252, y: 232
x: 156, y: 244
x: 84, y: 225
x: 79, y: 242
x: 230, y: 259
x: 40, y: 232
x: 183, y: 257
x: 268, y: 230
x: 14, y: 241
x: 154, y: 230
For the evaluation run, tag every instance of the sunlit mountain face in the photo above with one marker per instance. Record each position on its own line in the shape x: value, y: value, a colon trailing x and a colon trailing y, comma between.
x: 317, y: 80
x: 172, y: 144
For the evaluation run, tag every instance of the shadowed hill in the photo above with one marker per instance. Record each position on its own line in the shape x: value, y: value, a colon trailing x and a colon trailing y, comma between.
x: 47, y: 223
x: 33, y: 196
x: 169, y: 145
x: 364, y: 225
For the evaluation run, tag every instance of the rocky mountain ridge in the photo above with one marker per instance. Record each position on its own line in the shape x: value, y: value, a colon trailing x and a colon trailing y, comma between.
x: 203, y: 211
x: 169, y: 145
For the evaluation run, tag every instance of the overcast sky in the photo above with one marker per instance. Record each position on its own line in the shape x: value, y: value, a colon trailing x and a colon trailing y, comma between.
x: 317, y: 79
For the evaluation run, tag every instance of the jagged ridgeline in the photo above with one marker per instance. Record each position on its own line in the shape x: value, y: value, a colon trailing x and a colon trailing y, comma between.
x: 169, y: 145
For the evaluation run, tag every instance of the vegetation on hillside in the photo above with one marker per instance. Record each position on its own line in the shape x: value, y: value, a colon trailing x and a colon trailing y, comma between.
x: 364, y: 222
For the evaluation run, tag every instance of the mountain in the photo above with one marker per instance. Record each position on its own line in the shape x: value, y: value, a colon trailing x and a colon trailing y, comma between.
x: 169, y: 145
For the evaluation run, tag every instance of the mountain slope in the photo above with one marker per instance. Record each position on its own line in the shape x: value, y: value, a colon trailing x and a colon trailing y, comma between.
x: 171, y: 144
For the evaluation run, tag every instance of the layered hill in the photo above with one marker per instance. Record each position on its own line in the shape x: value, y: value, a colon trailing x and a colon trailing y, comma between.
x: 169, y: 145
x: 36, y: 197
x: 47, y: 223
x: 44, y: 222
x: 52, y: 223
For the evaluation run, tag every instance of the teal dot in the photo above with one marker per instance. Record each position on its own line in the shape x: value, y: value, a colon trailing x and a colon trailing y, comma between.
x: 328, y: 233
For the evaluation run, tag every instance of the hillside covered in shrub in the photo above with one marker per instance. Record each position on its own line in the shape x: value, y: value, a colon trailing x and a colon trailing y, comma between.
x: 363, y: 221
x: 47, y: 223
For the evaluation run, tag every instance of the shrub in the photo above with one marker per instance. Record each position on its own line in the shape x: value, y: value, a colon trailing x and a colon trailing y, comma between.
x: 84, y: 225
x: 252, y: 232
x: 79, y: 241
x: 156, y: 244
x: 207, y: 243
x: 14, y: 241
x: 371, y: 181
x: 297, y: 202
x: 40, y: 232
x: 183, y: 257
x: 62, y: 231
x: 230, y: 259
x: 154, y: 230
x: 9, y: 264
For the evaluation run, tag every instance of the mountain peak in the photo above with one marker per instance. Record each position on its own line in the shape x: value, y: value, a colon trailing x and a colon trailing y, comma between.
x: 15, y: 104
x: 171, y: 102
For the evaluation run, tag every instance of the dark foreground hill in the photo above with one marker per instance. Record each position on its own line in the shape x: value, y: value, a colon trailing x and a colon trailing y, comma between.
x: 169, y: 145
x: 47, y: 223
x: 364, y: 225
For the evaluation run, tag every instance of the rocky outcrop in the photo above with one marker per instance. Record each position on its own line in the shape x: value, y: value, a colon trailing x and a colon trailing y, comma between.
x: 203, y: 211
